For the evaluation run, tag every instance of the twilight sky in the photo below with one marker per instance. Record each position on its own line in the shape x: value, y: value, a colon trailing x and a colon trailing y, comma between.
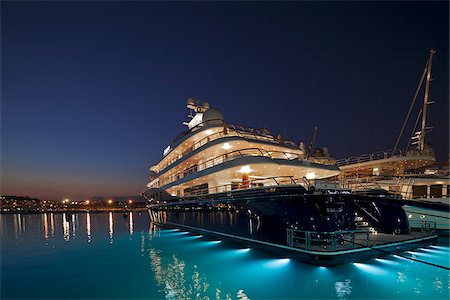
x: 91, y: 93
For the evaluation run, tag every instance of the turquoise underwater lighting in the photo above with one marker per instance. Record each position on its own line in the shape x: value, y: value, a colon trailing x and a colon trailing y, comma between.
x: 433, y: 251
x: 387, y: 261
x: 420, y: 254
x: 161, y: 265
x: 370, y: 269
x: 440, y: 247
x: 246, y: 250
x: 208, y: 243
x: 277, y: 263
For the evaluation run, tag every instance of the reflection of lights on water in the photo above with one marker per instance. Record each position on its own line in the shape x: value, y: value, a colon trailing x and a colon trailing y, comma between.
x: 370, y: 269
x: 401, y: 277
x: 142, y: 243
x: 88, y: 227
x: 52, y: 224
x: 73, y: 225
x: 131, y: 223
x: 153, y: 231
x: 66, y: 228
x: 111, y: 227
x: 19, y: 221
x: 44, y: 216
x: 16, y: 227
x: 343, y: 288
x: 386, y: 261
x: 180, y: 281
x: 438, y: 283
x: 277, y: 263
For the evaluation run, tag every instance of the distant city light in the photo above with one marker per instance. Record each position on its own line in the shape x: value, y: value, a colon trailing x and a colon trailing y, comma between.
x: 130, y: 201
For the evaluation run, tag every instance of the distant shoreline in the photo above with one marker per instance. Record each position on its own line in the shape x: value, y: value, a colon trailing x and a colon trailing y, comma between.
x: 96, y: 210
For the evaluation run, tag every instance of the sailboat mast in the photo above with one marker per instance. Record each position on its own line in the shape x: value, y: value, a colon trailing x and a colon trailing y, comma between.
x: 426, y: 101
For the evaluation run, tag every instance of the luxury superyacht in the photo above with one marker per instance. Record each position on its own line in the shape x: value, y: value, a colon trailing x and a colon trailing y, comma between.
x: 245, y: 184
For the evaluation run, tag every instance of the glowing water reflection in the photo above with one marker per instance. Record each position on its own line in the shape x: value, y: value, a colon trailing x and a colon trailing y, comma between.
x: 179, y: 281
x: 343, y: 288
x: 88, y: 227
x: 73, y: 224
x: 277, y: 263
x: 176, y: 264
x: 16, y: 227
x: 66, y: 227
x: 52, y: 224
x: 370, y: 269
x: 111, y: 227
x: 246, y: 250
x: 387, y: 261
x: 130, y: 224
x: 44, y: 216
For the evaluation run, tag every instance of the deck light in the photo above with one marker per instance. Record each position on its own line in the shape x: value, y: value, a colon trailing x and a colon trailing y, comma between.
x: 311, y: 175
x: 109, y: 201
x: 245, y: 169
x: 208, y: 132
x: 226, y: 146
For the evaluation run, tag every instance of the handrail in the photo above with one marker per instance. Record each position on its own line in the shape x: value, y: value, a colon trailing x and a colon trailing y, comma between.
x: 369, y: 157
x: 233, y: 130
x: 340, y: 240
x: 402, y: 188
x: 326, y: 241
x: 260, y: 182
x: 228, y: 157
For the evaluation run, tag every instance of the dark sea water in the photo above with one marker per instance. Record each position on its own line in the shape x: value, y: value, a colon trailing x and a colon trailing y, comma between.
x: 107, y: 255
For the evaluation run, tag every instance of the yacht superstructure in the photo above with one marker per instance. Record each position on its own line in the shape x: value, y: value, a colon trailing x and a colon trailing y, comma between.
x: 245, y: 184
x: 213, y: 156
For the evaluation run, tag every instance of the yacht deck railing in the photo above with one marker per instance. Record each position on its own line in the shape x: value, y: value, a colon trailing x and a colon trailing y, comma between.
x: 255, y: 183
x: 369, y: 157
x: 231, y: 156
x: 347, y: 239
x: 231, y: 130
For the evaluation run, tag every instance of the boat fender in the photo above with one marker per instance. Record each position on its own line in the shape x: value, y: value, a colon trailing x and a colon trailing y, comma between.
x: 397, y: 231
